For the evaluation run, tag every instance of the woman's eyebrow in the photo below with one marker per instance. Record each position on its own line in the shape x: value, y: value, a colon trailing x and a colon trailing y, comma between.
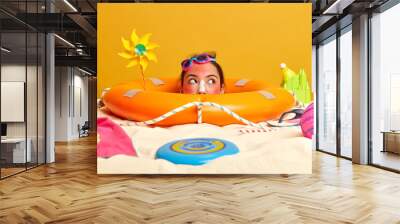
x: 191, y: 75
x: 208, y: 76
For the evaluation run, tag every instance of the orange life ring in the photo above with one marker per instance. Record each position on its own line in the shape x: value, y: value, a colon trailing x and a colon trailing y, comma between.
x: 253, y: 100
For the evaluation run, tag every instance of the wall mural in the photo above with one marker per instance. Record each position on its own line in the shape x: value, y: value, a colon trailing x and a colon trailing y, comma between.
x: 204, y: 89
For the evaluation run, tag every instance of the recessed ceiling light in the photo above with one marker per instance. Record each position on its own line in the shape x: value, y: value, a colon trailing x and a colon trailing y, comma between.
x: 337, y: 7
x: 84, y: 71
x: 5, y: 50
x: 64, y: 40
x: 70, y: 5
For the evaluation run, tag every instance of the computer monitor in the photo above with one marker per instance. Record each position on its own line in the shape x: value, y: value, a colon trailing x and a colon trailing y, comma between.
x: 3, y: 129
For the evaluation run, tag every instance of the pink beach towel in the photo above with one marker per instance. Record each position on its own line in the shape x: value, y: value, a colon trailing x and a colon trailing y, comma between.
x: 307, y: 121
x: 112, y: 139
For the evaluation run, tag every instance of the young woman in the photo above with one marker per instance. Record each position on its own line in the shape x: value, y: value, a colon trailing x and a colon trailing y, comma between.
x: 201, y: 74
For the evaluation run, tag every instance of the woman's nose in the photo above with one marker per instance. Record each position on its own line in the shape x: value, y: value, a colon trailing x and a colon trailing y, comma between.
x: 202, y: 87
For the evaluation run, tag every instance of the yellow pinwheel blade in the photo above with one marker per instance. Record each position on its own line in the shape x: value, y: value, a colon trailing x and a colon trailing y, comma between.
x: 145, y: 39
x: 132, y: 63
x: 125, y: 55
x: 126, y: 44
x: 151, y: 56
x: 151, y: 46
x: 134, y: 37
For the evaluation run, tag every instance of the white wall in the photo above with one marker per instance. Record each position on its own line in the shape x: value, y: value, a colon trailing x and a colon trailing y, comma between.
x: 80, y: 84
x: 61, y: 103
x: 71, y: 94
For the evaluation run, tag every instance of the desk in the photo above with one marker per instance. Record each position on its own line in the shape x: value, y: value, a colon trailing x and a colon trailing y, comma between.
x: 16, y: 147
x: 391, y: 141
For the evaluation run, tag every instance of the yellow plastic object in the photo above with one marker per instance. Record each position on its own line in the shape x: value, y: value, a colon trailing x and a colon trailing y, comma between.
x: 252, y: 100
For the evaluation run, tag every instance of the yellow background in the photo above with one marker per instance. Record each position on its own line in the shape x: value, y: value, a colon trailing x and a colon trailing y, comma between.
x: 251, y: 39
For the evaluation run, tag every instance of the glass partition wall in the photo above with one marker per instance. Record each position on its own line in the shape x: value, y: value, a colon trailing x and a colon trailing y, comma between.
x: 13, y: 90
x: 334, y: 105
x: 22, y: 88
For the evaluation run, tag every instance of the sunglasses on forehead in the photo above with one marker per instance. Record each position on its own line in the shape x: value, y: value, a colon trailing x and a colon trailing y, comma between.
x: 198, y: 59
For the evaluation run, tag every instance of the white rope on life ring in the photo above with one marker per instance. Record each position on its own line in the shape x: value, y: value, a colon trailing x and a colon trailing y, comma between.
x: 199, y: 106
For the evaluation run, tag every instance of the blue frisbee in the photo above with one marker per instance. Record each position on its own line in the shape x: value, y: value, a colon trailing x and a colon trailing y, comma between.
x: 196, y: 151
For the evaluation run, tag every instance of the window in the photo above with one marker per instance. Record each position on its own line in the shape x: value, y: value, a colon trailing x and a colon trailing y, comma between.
x: 385, y: 88
x: 346, y: 92
x: 327, y: 95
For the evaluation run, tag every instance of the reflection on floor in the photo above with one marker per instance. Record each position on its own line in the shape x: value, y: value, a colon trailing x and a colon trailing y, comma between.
x: 10, y: 169
x: 387, y: 159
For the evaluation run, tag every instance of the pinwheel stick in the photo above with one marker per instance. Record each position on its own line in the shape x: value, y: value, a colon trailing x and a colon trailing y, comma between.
x: 142, y: 73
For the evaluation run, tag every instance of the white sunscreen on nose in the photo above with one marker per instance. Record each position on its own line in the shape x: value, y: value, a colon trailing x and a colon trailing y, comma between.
x: 202, y: 88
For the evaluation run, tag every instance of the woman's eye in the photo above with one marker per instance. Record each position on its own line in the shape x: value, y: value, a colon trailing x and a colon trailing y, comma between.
x: 192, y: 81
x: 211, y: 81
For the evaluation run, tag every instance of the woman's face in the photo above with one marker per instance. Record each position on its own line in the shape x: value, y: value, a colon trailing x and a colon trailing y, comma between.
x: 202, y: 79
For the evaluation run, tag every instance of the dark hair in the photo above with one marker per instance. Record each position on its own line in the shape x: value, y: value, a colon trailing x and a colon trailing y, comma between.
x: 219, y: 69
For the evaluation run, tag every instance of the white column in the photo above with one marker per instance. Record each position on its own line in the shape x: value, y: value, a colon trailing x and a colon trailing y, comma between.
x: 360, y: 90
x: 50, y: 100
x: 50, y: 92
